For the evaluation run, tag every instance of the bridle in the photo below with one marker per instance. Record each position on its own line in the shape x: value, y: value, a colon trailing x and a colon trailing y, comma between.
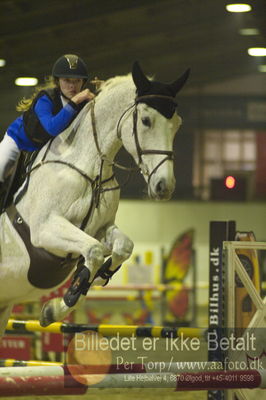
x: 140, y: 152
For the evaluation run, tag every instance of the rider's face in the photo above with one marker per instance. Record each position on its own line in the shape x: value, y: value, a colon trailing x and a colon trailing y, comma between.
x: 70, y: 86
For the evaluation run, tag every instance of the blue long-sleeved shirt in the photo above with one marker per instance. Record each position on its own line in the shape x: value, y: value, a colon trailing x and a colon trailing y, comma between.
x: 53, y: 124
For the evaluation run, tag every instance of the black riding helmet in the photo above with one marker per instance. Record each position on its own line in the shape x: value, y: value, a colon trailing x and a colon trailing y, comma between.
x: 70, y: 66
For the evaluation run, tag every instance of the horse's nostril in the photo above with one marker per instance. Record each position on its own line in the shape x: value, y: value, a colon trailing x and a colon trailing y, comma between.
x: 161, y: 186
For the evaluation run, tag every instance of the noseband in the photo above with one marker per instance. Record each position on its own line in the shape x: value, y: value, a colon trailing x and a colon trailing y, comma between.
x: 169, y: 154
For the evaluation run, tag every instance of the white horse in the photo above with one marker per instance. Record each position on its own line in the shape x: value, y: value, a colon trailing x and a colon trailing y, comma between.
x: 72, y: 197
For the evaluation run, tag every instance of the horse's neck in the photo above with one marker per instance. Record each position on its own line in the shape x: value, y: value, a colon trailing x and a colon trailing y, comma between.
x: 77, y: 144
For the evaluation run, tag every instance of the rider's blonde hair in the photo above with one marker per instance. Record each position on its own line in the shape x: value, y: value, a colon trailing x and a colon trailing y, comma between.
x: 25, y: 103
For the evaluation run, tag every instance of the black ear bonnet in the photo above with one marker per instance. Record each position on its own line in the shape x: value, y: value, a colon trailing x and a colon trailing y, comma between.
x: 165, y: 106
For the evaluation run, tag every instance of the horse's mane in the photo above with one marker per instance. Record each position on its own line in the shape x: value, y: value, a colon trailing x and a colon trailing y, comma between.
x: 118, y: 81
x: 114, y: 82
x: 103, y: 91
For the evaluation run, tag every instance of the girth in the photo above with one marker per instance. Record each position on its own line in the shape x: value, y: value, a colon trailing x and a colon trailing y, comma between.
x: 46, y: 270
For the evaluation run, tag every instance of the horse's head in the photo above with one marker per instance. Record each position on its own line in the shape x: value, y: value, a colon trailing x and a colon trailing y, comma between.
x: 155, y: 123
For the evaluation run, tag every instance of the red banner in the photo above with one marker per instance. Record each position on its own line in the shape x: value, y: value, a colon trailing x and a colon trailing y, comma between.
x: 17, y: 347
x: 261, y: 165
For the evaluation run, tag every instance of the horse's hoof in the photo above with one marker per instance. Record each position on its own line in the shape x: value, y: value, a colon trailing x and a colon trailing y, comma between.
x: 54, y: 310
x: 47, y: 315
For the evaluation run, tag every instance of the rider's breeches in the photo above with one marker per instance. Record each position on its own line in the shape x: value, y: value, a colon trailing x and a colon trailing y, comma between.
x: 9, y: 153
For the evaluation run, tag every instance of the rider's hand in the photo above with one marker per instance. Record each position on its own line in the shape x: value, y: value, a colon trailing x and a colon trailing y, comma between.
x: 84, y: 95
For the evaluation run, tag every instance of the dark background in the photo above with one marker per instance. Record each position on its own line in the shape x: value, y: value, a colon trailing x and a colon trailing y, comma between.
x: 166, y: 36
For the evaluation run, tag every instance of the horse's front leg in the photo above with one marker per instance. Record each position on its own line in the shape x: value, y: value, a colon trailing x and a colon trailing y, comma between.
x: 119, y: 246
x: 114, y: 243
x: 57, y: 234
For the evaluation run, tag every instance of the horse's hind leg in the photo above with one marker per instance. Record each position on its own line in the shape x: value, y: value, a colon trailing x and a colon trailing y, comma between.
x: 4, y: 316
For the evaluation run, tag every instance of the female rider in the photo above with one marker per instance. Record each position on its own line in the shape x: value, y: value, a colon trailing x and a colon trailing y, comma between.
x: 47, y: 113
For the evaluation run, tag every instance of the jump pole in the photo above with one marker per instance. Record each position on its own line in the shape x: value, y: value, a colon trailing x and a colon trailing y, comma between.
x: 53, y: 385
x: 132, y: 368
x: 11, y: 362
x: 107, y: 330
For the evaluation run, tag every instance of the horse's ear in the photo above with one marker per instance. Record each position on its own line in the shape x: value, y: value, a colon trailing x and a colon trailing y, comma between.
x: 141, y: 81
x: 177, y: 85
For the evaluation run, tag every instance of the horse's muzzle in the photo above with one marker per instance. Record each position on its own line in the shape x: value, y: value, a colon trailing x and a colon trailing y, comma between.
x: 161, y: 190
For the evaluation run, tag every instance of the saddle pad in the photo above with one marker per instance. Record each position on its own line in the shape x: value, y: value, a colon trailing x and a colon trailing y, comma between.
x: 46, y: 270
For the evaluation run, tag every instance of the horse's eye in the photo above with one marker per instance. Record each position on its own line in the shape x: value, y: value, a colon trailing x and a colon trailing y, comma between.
x: 146, y: 121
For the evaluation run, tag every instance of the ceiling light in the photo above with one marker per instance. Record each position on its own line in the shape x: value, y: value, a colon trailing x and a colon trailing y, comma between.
x: 262, y: 68
x: 249, y: 31
x: 26, y: 81
x: 257, y: 51
x: 238, y: 7
x: 2, y: 62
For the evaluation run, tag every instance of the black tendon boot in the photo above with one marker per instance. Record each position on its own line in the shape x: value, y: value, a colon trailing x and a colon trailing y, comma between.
x: 80, y: 283
x: 104, y: 271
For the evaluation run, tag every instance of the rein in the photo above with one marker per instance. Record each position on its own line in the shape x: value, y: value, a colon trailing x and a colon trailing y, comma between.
x: 96, y: 183
x: 95, y: 136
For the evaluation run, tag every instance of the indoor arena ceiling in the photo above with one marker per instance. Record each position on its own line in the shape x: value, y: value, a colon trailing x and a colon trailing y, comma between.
x: 166, y: 36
